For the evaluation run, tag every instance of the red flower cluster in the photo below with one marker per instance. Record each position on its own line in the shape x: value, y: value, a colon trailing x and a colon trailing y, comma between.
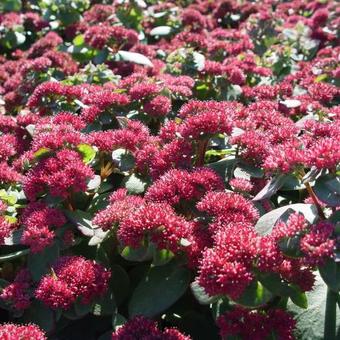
x: 37, y: 220
x: 73, y: 277
x: 11, y: 331
x: 256, y: 325
x: 17, y: 294
x: 142, y: 328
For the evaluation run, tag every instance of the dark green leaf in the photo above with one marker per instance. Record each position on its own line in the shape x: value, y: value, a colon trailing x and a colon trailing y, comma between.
x: 327, y: 189
x: 14, y: 255
x: 330, y: 273
x: 40, y: 263
x: 118, y: 320
x: 255, y: 295
x: 40, y: 315
x: 159, y: 289
x: 99, y: 202
x: 224, y: 167
x: 106, y: 305
x: 120, y: 283
x: 82, y: 220
x: 290, y: 246
x: 101, y: 57
x: 123, y: 159
x: 274, y: 283
x: 82, y: 309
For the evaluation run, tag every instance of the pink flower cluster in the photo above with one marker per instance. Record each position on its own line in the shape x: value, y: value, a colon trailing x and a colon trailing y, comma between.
x: 59, y: 175
x: 9, y: 331
x: 38, y: 221
x: 72, y: 278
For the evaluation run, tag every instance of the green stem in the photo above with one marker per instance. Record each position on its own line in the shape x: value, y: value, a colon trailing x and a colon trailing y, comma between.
x: 330, y: 315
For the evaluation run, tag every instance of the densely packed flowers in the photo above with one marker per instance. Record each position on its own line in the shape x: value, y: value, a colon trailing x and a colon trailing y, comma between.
x: 169, y: 170
x: 26, y: 332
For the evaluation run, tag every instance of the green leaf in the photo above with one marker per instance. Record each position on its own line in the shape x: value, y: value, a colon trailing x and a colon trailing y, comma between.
x: 321, y: 77
x: 42, y: 152
x: 135, y: 184
x: 69, y: 16
x: 14, y: 238
x: 40, y: 263
x: 162, y: 257
x: 310, y: 322
x: 10, y: 5
x: 271, y: 187
x: 255, y: 295
x: 298, y: 297
x: 40, y: 315
x: 199, y: 61
x: 330, y: 273
x: 201, y: 296
x: 14, y: 255
x: 82, y: 309
x: 291, y: 182
x: 327, y: 189
x: 78, y: 40
x: 160, y: 31
x: 224, y: 167
x: 140, y: 254
x: 123, y: 159
x: 279, y: 287
x: 118, y: 320
x: 266, y: 223
x: 99, y: 202
x: 247, y: 171
x: 134, y: 57
x: 94, y: 183
x: 159, y: 289
x: 290, y: 246
x: 274, y: 283
x: 101, y: 57
x: 82, y: 220
x: 106, y: 305
x: 120, y: 283
x: 88, y: 152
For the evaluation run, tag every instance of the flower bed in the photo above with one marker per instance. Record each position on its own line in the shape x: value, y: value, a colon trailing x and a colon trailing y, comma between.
x: 169, y: 170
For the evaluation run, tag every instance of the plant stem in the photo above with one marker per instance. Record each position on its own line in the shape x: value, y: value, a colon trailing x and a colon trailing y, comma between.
x: 315, y: 200
x: 330, y: 315
x: 201, y: 149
